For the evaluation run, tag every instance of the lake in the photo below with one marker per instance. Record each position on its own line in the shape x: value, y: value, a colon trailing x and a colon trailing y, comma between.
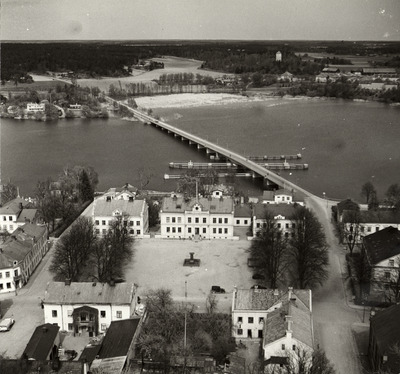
x: 344, y: 143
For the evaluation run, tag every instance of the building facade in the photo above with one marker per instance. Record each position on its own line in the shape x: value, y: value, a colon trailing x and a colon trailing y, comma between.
x: 16, y: 213
x: 133, y: 212
x: 20, y: 254
x: 203, y: 218
x: 86, y: 308
x: 33, y: 107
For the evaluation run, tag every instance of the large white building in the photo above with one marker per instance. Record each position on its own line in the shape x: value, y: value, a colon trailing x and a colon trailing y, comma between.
x: 134, y: 213
x: 88, y: 308
x: 33, y: 107
x: 20, y: 254
x: 203, y: 218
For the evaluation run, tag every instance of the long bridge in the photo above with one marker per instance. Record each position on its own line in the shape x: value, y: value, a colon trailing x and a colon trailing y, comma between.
x: 210, y: 147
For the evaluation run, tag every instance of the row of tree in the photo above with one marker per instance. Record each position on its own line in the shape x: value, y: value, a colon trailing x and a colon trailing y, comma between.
x: 80, y: 254
x: 300, y: 258
x: 391, y: 199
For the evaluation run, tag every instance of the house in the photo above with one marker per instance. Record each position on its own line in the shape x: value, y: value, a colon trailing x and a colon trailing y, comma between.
x: 75, y: 107
x: 86, y: 308
x: 280, y: 196
x: 281, y: 213
x: 327, y: 77
x: 126, y: 192
x: 384, y: 338
x: 288, y: 335
x: 382, y: 250
x: 33, y: 107
x: 250, y: 308
x: 286, y: 77
x: 134, y: 213
x: 43, y: 344
x: 203, y: 218
x: 20, y: 254
x: 118, y: 346
x: 242, y: 214
x: 16, y: 213
x: 379, y: 71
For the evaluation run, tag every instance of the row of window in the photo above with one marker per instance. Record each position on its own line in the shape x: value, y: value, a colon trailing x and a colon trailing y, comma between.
x: 245, y: 222
x: 7, y: 274
x: 131, y: 231
x: 250, y: 319
x: 196, y: 220
x: 204, y: 230
x: 8, y: 286
x: 105, y: 223
x: 279, y: 225
x: 11, y: 227
x: 83, y: 316
x: 10, y: 218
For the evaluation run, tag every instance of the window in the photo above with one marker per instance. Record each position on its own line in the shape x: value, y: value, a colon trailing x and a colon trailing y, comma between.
x: 238, y: 221
x: 83, y: 317
x: 103, y: 327
x: 173, y: 229
x: 103, y: 222
x: 220, y: 231
x: 258, y: 225
x: 137, y: 223
x: 369, y: 229
x: 387, y: 274
x: 225, y: 231
x: 214, y: 230
x: 119, y: 314
x: 4, y: 218
x: 102, y: 313
x: 1, y: 286
x: 69, y: 312
x: 179, y: 229
x: 97, y: 222
x: 137, y: 232
x: 189, y: 230
x: 167, y: 219
x: 286, y: 234
x: 1, y: 275
x: 362, y: 228
x: 283, y: 347
x: 11, y: 227
x: 279, y: 225
x: 8, y: 285
x: 287, y: 225
x: 246, y: 222
x: 97, y: 231
x: 240, y: 331
x: 16, y: 273
x: 260, y: 334
x: 225, y: 220
x: 131, y: 231
x: 250, y: 319
x: 261, y: 320
x: 130, y: 223
x: 214, y: 220
x: 376, y: 228
x: 10, y: 218
x: 240, y: 319
x: 173, y: 219
x: 70, y: 326
x: 104, y: 231
x: 54, y: 313
x: 7, y: 274
x: 351, y: 228
x: 196, y: 220
x: 204, y: 220
x: 219, y: 220
x: 293, y: 347
x: 189, y: 220
x: 204, y: 230
x: 179, y: 219
x: 391, y: 262
x: 168, y: 229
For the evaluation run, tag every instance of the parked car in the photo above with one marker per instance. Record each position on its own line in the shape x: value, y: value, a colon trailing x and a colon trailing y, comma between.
x: 217, y: 289
x: 6, y: 324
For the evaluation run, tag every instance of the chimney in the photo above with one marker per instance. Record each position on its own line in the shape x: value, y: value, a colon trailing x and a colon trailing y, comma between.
x: 290, y: 291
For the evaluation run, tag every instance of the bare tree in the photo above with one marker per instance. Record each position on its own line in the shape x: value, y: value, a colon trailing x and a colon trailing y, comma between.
x: 145, y: 174
x: 211, y: 303
x: 269, y: 251
x: 308, y: 250
x: 352, y: 228
x: 361, y: 271
x: 367, y: 190
x: 8, y: 192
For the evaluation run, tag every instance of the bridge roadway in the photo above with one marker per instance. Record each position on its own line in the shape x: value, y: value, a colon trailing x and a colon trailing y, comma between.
x: 233, y: 156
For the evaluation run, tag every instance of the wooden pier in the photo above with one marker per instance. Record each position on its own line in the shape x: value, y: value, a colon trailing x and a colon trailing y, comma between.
x: 281, y: 157
x: 202, y: 165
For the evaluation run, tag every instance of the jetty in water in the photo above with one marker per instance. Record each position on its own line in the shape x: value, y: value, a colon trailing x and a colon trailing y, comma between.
x: 220, y: 175
x: 202, y: 165
x: 280, y: 157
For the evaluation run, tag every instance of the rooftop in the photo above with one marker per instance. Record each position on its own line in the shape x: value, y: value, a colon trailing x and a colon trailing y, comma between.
x: 104, y: 208
x: 212, y: 205
x: 382, y: 244
x: 379, y: 216
x: 243, y: 210
x: 285, y: 210
x: 14, y: 206
x: 118, y: 338
x: 89, y: 293
x: 27, y: 215
x: 41, y: 342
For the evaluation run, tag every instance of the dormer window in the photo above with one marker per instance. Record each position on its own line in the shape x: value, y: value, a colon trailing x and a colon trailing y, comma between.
x: 197, y: 208
x: 116, y: 213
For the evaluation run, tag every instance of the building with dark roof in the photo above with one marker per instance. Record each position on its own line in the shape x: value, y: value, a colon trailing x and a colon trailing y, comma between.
x: 384, y: 338
x: 382, y: 250
x: 20, y: 254
x: 206, y: 218
x: 44, y: 343
x: 242, y: 215
x: 86, y: 308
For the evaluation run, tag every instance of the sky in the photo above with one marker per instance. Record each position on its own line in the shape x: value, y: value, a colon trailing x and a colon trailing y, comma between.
x: 200, y: 19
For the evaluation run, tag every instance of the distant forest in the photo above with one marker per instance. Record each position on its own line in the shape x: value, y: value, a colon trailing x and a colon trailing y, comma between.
x: 109, y: 58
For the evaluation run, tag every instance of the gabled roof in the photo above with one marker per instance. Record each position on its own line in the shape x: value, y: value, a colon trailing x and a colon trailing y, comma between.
x: 379, y: 216
x: 243, y: 210
x: 27, y: 215
x: 286, y: 210
x: 386, y: 327
x: 118, y: 338
x: 89, y: 293
x: 103, y: 208
x: 382, y: 244
x: 212, y: 205
x: 276, y: 324
x: 41, y: 342
x: 14, y: 206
